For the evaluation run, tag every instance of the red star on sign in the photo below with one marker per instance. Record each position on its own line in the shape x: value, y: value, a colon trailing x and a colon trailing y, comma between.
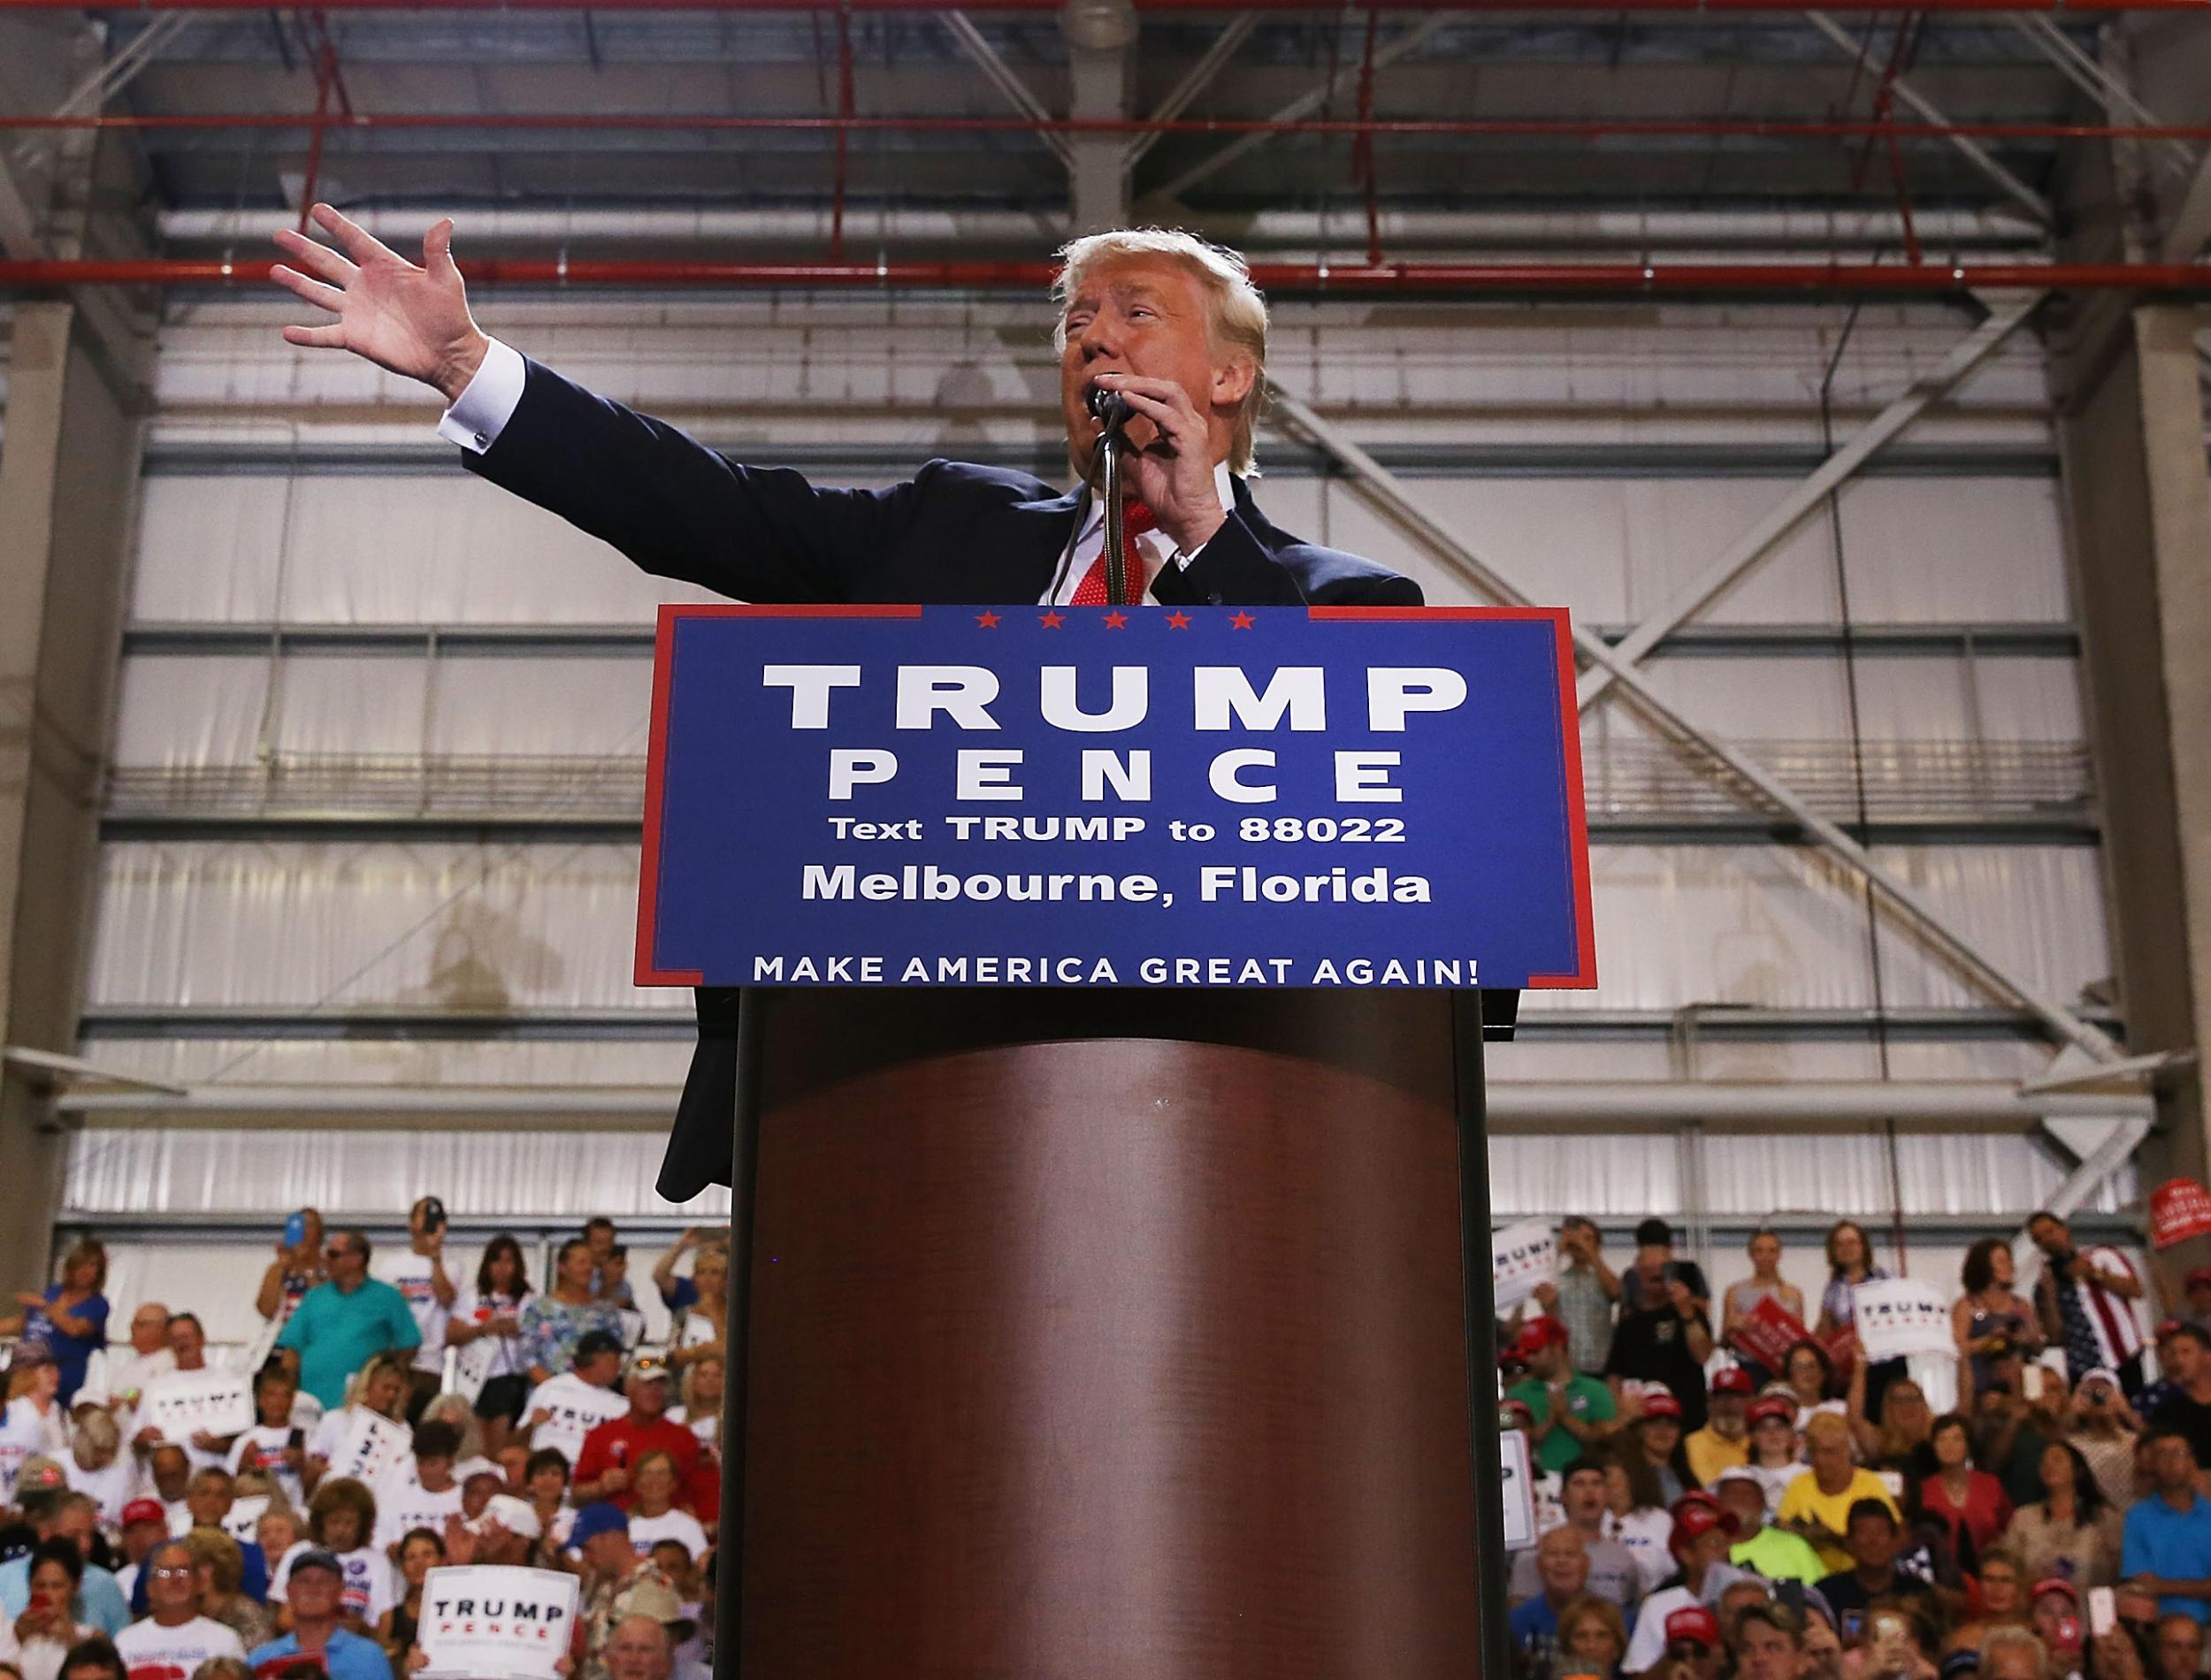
x: 1116, y: 620
x: 1178, y: 621
x: 1052, y: 621
x: 1242, y: 620
x: 988, y: 621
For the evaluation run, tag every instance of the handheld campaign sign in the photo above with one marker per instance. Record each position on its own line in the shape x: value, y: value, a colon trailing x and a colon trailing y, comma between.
x: 185, y: 1403
x: 1291, y: 797
x: 494, y: 1623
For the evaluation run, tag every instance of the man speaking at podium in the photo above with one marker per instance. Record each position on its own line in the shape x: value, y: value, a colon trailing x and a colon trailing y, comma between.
x: 1168, y: 321
x: 1163, y: 319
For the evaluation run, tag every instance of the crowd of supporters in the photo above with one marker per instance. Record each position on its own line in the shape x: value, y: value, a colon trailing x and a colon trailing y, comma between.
x: 1700, y: 1514
x: 405, y: 1416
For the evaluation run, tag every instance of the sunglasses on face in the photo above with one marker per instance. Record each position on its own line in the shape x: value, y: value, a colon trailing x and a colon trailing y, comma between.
x: 175, y: 1572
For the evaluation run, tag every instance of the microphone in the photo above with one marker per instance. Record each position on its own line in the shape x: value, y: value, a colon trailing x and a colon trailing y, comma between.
x: 1111, y: 407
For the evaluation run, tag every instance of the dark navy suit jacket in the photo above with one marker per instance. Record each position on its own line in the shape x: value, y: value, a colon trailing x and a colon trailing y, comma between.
x: 955, y: 532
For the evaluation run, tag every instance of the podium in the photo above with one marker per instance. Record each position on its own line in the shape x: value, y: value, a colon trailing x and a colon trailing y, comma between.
x: 1093, y: 1331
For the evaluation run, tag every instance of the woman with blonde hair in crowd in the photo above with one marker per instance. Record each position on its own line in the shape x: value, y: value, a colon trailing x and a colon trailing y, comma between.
x: 381, y: 1388
x: 701, y: 1410
x: 71, y: 1316
x: 699, y: 1302
x: 1898, y: 1441
x: 99, y: 1468
x: 1591, y: 1630
x: 33, y: 1423
x: 1743, y: 1299
x: 222, y: 1587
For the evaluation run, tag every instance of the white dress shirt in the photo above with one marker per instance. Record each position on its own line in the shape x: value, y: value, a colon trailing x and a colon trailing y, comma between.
x: 488, y: 402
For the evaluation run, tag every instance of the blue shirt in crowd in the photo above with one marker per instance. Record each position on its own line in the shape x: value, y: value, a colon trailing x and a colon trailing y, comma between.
x: 99, y: 1603
x: 72, y: 1354
x: 347, y: 1656
x: 2176, y: 1544
x: 336, y: 1333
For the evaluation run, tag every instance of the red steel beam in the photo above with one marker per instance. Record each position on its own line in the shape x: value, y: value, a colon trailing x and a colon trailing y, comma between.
x: 1302, y: 280
x: 1446, y: 127
x: 1210, y: 6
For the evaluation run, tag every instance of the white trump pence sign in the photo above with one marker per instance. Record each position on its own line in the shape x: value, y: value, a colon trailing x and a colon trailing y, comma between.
x: 185, y: 1403
x: 1524, y: 1255
x: 1899, y: 1316
x: 495, y: 1624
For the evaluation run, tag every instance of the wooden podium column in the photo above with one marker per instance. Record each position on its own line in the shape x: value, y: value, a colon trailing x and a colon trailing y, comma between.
x: 1110, y: 1334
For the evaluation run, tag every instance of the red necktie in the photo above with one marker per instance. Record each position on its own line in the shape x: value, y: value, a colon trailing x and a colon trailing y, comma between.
x: 1134, y: 517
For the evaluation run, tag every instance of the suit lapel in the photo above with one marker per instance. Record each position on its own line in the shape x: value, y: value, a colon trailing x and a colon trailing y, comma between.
x: 1011, y: 556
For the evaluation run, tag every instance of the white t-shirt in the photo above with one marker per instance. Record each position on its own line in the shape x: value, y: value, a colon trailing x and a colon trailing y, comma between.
x: 24, y: 1431
x: 402, y: 1503
x: 1648, y: 1534
x: 113, y: 1487
x: 408, y: 1272
x: 367, y: 1587
x: 115, y: 1372
x: 1648, y: 1646
x: 707, y: 1428
x: 151, y: 1652
x: 262, y: 1447
x: 645, y: 1531
x: 578, y: 1409
x: 40, y: 1659
x: 490, y: 1356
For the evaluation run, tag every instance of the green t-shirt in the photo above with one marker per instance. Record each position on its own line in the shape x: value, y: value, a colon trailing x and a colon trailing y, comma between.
x: 1780, y: 1555
x: 336, y: 1335
x: 1589, y: 1401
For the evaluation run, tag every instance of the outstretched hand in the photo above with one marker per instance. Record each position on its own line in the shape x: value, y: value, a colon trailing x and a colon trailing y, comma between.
x: 412, y: 320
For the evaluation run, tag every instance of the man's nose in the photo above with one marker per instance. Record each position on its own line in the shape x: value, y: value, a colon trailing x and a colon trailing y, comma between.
x: 1101, y: 338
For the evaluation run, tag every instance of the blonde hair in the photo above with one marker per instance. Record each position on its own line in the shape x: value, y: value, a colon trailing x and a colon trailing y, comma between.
x: 98, y: 1440
x: 1239, y: 311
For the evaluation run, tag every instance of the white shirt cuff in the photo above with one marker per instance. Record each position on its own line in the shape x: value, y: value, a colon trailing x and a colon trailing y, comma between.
x: 480, y: 413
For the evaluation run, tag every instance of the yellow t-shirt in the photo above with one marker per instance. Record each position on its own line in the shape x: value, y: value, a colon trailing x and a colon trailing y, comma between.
x: 1710, y: 1453
x: 1804, y: 1499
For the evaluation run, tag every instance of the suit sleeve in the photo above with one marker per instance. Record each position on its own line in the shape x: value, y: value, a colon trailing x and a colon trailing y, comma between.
x: 679, y: 510
x: 1235, y: 568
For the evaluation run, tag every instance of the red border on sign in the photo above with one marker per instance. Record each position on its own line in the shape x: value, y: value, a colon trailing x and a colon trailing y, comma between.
x: 1570, y: 738
x: 648, y: 874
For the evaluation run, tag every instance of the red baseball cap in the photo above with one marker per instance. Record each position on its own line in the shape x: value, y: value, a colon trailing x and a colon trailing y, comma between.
x: 1539, y: 1333
x: 2201, y: 1274
x: 1693, y: 1517
x: 145, y: 1510
x: 1772, y: 1406
x: 2170, y: 1328
x: 2055, y: 1584
x: 1733, y: 1380
x: 1694, y: 1623
x: 1660, y: 1403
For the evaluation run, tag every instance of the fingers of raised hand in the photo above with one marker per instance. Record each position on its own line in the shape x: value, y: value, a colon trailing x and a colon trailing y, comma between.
x: 330, y: 336
x: 314, y: 256
x: 326, y: 297
x: 361, y: 245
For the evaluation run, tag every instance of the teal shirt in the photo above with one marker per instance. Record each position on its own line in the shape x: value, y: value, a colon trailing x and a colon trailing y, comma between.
x: 335, y: 1334
x: 1589, y: 1399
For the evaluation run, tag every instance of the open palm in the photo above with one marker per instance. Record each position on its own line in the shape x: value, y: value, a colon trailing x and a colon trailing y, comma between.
x: 413, y: 320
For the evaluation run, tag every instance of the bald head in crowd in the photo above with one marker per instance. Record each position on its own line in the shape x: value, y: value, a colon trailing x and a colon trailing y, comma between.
x: 639, y: 1649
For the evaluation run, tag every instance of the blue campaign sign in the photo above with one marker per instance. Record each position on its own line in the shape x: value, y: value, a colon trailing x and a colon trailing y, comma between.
x: 1085, y: 796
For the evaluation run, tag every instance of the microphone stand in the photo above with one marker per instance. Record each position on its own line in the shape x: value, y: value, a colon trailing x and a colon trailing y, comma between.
x: 1111, y: 441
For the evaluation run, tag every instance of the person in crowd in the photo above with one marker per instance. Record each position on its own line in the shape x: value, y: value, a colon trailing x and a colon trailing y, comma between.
x: 341, y: 1520
x: 2013, y: 1653
x: 1561, y: 1567
x: 640, y: 1648
x: 169, y: 1467
x: 1820, y: 1502
x: 144, y: 1526
x: 222, y: 1668
x: 2001, y: 1602
x: 2099, y: 1420
x: 314, y: 1595
x: 295, y: 1270
x: 2010, y: 1431
x: 1614, y: 1574
x: 342, y: 1325
x: 2176, y: 1649
x: 421, y: 1492
x: 1583, y: 1295
x: 556, y: 1324
x: 37, y: 1636
x: 1662, y: 1337
x: 2182, y: 1401
x: 99, y: 1468
x: 1992, y: 1318
x: 35, y: 1423
x: 188, y: 1349
x: 379, y: 1389
x: 92, y: 1658
x: 617, y: 1582
x: 487, y: 1325
x: 271, y: 1445
x: 1849, y: 1264
x: 225, y: 1594
x: 1765, y: 1283
x: 124, y: 1376
x: 69, y: 1319
x: 1655, y: 1435
x: 59, y: 1514
x: 176, y: 1636
x: 2070, y: 1531
x: 280, y: 1531
x: 2056, y: 1622
x: 701, y: 1410
x: 1647, y: 1283
x: 1807, y: 1376
x: 1874, y: 1539
x: 2167, y: 1536
x: 1768, y: 1643
x: 547, y: 1480
x: 654, y: 1515
x: 1724, y: 1443
x: 614, y: 1288
x: 2085, y: 1301
x: 1898, y: 1443
x: 564, y: 1409
x: 1772, y: 1553
x: 1702, y: 1534
x: 454, y: 1410
x: 1591, y: 1630
x: 420, y: 1551
x: 1970, y: 1502
x: 1571, y: 1412
x: 602, y: 1238
x: 1636, y: 1517
x: 605, y: 1467
x: 418, y: 1272
x: 698, y: 1304
x: 1776, y: 1449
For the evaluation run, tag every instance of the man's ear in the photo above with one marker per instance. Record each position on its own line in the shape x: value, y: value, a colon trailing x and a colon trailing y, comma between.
x: 1233, y: 381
